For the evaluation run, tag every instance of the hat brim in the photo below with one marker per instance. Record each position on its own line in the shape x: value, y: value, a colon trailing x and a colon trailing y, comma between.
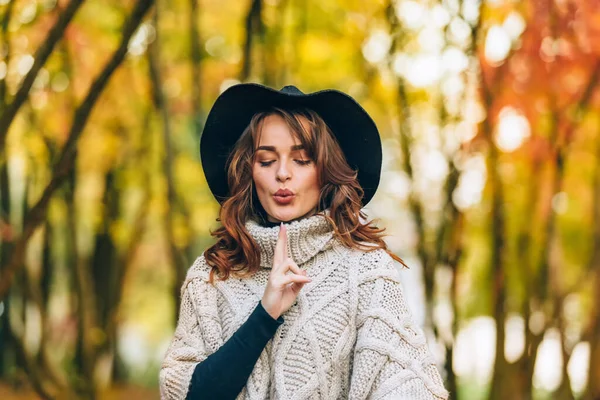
x: 233, y: 110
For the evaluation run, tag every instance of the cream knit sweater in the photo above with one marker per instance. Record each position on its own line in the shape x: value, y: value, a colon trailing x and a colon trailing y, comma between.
x: 349, y: 336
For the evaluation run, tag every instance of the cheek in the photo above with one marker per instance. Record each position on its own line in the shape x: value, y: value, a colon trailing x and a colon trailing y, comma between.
x: 310, y: 180
x: 261, y: 180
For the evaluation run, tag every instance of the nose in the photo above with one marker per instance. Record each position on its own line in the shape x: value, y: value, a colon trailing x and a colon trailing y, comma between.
x: 283, y: 173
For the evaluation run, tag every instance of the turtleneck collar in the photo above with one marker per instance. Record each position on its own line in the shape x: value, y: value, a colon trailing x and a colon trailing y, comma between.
x: 306, y: 237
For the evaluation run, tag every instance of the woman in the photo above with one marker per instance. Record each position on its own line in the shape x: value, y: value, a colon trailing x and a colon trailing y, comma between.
x: 299, y: 297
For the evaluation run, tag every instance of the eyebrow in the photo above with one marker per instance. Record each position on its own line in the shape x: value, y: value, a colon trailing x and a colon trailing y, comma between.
x: 272, y: 148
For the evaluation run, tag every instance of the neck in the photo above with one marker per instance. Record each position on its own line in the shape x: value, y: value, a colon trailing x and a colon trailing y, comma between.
x: 306, y: 237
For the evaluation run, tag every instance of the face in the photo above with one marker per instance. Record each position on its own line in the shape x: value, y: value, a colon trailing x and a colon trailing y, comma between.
x: 285, y: 178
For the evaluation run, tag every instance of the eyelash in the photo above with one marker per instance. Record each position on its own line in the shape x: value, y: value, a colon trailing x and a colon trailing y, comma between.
x: 299, y: 162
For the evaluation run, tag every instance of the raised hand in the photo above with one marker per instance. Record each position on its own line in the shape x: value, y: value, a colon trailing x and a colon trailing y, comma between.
x: 285, y: 281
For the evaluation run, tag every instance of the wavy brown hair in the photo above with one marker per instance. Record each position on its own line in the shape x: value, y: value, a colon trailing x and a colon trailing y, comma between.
x: 236, y: 252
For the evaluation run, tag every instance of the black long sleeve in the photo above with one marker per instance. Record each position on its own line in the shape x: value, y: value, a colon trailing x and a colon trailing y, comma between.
x: 223, y: 374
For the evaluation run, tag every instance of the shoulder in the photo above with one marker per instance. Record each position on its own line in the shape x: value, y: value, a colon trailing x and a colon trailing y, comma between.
x: 376, y: 263
x: 198, y: 273
x: 203, y: 294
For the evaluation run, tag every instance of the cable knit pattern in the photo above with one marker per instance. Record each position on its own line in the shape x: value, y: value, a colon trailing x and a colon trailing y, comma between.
x: 305, y: 239
x: 349, y: 335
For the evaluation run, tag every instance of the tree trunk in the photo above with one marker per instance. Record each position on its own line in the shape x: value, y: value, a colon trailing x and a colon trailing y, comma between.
x: 406, y: 140
x: 498, y: 291
x: 592, y: 391
x: 499, y: 381
x: 177, y: 258
x: 7, y: 350
x: 254, y: 25
x: 196, y: 70
x: 83, y: 300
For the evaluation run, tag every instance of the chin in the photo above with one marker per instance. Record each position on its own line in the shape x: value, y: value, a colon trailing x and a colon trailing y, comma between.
x: 284, y: 215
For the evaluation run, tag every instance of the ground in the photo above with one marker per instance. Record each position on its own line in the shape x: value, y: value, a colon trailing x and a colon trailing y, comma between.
x: 7, y: 392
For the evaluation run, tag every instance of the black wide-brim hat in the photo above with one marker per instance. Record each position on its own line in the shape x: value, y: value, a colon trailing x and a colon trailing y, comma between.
x: 233, y: 110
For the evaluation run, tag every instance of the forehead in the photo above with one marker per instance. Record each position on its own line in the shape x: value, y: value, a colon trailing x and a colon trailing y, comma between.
x: 274, y: 131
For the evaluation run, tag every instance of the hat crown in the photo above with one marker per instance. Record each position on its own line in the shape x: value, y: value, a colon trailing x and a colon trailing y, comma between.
x: 291, y: 89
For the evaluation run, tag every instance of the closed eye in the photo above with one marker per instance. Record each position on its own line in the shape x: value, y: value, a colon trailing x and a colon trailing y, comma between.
x: 302, y: 162
x: 299, y: 162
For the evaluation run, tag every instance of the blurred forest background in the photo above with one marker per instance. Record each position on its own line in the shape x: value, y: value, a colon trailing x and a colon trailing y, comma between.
x: 489, y: 112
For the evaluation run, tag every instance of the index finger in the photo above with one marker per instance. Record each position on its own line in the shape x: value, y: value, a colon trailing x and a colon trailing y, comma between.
x: 281, y: 246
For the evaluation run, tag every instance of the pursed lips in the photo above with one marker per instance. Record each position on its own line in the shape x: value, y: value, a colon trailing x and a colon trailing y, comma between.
x: 283, y: 196
x: 283, y: 193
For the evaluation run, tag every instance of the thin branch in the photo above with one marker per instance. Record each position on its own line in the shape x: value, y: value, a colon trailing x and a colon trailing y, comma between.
x: 7, y: 48
x: 40, y: 57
